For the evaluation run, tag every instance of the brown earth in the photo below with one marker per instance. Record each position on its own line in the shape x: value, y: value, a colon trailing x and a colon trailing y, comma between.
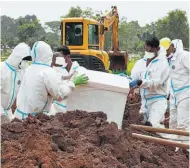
x: 82, y: 140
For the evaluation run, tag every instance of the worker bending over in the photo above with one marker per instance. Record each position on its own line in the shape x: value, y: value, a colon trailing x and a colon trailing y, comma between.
x: 41, y: 84
x: 61, y: 67
x: 12, y: 71
x: 179, y: 88
x: 150, y: 74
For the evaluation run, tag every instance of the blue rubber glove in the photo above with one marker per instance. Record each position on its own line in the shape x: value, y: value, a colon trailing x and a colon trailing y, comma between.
x: 133, y: 84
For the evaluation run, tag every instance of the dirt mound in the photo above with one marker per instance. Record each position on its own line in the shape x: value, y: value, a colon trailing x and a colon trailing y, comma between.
x: 80, y: 140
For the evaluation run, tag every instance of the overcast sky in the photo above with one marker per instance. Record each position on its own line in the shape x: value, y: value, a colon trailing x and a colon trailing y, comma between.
x: 143, y: 12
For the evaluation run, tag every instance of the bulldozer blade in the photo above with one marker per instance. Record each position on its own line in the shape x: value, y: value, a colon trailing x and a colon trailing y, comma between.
x: 118, y: 61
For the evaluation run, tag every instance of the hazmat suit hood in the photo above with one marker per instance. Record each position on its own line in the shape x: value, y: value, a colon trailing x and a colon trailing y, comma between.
x: 178, y: 45
x: 21, y: 51
x: 42, y: 53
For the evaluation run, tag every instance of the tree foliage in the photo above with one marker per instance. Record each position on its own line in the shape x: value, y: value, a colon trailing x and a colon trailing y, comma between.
x: 29, y: 29
x: 8, y: 32
x: 131, y: 35
x: 53, y: 33
x: 175, y: 26
x: 74, y: 12
x: 54, y: 26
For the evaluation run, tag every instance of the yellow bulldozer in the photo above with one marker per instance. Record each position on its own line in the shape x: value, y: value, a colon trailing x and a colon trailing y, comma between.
x: 85, y: 39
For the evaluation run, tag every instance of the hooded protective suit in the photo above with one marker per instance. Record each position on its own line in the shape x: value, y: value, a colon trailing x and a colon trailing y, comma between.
x: 61, y: 106
x: 41, y: 84
x: 153, y: 89
x: 11, y: 77
x: 179, y: 90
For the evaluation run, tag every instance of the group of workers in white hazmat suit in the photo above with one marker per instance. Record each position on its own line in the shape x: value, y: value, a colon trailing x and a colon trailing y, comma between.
x: 163, y: 73
x: 39, y: 86
x: 44, y: 86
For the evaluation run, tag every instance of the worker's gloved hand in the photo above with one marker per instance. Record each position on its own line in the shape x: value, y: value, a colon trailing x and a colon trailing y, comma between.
x: 80, y: 79
x: 135, y: 83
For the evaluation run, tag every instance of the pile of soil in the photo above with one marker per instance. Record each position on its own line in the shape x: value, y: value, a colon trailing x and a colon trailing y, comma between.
x: 80, y: 140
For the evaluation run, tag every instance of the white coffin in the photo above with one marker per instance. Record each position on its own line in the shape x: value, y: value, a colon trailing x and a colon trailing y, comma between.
x: 104, y: 92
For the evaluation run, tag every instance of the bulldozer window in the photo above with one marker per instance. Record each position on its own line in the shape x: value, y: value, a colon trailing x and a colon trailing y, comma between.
x: 93, y: 37
x: 74, y: 33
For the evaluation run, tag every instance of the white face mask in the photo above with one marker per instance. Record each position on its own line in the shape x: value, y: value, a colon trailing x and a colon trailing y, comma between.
x: 149, y: 55
x: 60, y: 61
x: 24, y: 64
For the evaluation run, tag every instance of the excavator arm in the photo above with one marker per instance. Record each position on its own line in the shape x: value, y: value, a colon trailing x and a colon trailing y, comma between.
x: 118, y: 59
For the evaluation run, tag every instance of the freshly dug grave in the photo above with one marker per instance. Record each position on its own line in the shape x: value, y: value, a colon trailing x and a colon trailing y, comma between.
x: 80, y: 140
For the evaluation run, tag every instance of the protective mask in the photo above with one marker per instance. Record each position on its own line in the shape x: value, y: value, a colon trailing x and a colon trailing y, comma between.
x: 24, y: 64
x: 60, y: 61
x: 149, y: 55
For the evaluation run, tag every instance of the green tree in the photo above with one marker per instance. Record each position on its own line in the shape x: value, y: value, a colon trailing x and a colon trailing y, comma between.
x: 54, y: 26
x: 29, y: 29
x: 51, y: 39
x: 74, y: 12
x: 128, y: 35
x: 146, y: 31
x: 174, y: 25
x: 86, y: 13
x: 8, y: 32
x: 89, y: 13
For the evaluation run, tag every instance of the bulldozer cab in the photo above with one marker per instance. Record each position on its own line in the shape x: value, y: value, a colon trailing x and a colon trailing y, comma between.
x: 81, y: 35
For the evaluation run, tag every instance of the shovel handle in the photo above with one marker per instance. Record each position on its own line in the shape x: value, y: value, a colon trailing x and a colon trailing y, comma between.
x: 161, y: 130
x: 160, y: 141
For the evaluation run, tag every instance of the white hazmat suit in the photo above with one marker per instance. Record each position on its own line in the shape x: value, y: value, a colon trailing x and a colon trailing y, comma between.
x: 179, y: 92
x: 153, y: 89
x: 41, y: 84
x: 11, y: 76
x: 61, y: 106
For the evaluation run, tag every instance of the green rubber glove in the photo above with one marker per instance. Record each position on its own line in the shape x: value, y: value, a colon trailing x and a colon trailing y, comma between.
x: 80, y: 79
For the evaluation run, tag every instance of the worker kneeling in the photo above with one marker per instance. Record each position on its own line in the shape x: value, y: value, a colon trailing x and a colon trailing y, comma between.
x: 151, y: 75
x: 41, y: 84
x: 67, y: 71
